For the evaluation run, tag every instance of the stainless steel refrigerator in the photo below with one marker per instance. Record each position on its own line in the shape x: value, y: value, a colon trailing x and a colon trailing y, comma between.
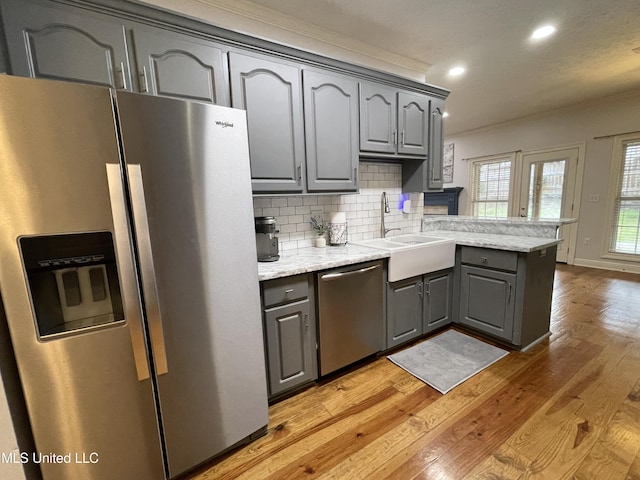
x: 129, y: 278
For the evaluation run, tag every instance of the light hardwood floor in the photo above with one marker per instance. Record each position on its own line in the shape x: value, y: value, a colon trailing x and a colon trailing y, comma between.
x: 567, y: 409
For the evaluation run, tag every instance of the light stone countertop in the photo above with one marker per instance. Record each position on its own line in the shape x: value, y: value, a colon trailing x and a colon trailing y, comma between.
x: 556, y: 222
x: 311, y: 259
x: 304, y: 260
x: 514, y: 243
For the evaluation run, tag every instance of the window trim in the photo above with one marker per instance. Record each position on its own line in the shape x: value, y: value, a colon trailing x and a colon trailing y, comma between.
x: 614, y: 182
x: 510, y: 157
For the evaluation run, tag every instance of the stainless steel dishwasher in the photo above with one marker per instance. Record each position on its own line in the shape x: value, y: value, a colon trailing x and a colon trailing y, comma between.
x: 350, y: 316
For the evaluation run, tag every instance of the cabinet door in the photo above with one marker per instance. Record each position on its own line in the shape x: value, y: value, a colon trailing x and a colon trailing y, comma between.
x: 413, y: 123
x: 378, y: 118
x: 487, y: 300
x: 404, y: 310
x: 290, y: 346
x: 180, y: 66
x: 270, y: 93
x: 62, y: 43
x: 331, y: 131
x: 438, y: 296
x: 436, y: 145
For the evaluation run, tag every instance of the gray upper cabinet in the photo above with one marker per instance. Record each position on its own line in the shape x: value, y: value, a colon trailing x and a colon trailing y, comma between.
x: 378, y: 118
x: 436, y: 145
x: 180, y: 66
x: 413, y: 123
x: 331, y: 131
x: 423, y: 176
x: 271, y: 94
x: 393, y: 122
x: 310, y: 118
x: 61, y: 43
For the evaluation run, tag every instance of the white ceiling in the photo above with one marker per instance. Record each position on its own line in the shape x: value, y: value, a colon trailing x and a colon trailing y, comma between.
x: 508, y: 76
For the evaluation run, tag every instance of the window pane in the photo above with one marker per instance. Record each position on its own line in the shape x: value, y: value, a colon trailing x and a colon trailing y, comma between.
x: 626, y: 228
x: 490, y: 188
x: 546, y: 182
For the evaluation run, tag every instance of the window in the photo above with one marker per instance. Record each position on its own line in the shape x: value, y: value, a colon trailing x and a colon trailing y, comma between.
x: 490, y: 186
x: 625, y: 232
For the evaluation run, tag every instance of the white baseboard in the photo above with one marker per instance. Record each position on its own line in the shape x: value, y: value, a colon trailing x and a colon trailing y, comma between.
x: 607, y: 265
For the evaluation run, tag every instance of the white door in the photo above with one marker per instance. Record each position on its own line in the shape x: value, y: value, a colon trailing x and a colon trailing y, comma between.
x: 547, y: 190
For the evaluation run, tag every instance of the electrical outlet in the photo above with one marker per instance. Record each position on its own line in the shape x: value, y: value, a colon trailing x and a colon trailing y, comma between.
x: 587, y: 241
x: 594, y: 197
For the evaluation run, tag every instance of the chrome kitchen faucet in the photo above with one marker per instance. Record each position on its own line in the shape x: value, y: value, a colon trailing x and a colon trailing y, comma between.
x: 384, y: 208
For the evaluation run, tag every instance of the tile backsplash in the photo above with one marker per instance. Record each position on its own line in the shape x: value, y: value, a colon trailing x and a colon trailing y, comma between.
x: 293, y: 213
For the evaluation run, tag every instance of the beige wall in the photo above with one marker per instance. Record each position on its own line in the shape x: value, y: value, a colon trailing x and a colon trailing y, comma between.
x: 576, y: 125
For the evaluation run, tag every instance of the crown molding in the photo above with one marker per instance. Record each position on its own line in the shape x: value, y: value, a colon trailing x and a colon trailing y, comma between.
x: 249, y: 18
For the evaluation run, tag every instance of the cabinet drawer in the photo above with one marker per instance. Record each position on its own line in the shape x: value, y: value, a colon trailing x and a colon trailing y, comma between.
x: 489, y: 258
x: 284, y: 290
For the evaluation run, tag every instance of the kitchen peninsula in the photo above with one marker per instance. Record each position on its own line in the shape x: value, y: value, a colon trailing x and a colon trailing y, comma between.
x: 500, y: 286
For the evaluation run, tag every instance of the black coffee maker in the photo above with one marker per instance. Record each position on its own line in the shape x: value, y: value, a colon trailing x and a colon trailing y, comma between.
x: 266, y: 240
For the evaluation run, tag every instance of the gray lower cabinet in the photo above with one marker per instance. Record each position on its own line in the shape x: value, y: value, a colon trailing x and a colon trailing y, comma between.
x: 404, y: 311
x: 271, y: 94
x: 418, y: 305
x: 505, y: 294
x: 331, y: 131
x: 438, y: 300
x: 290, y: 332
x: 487, y: 300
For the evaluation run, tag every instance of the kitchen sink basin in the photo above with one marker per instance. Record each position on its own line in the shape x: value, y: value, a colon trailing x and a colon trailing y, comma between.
x: 412, y: 255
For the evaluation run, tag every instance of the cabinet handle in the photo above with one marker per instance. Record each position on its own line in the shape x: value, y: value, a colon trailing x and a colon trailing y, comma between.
x: 123, y: 76
x: 334, y: 276
x: 299, y: 174
x: 395, y: 137
x: 509, y: 298
x: 483, y: 259
x: 145, y: 81
x: 288, y: 290
x: 420, y: 289
x: 355, y: 175
x: 402, y: 138
x: 306, y: 321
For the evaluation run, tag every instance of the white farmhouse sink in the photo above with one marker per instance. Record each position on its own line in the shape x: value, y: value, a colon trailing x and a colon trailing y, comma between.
x: 413, y: 255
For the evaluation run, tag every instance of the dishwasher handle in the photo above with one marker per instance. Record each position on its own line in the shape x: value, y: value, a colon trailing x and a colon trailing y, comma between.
x: 335, y: 276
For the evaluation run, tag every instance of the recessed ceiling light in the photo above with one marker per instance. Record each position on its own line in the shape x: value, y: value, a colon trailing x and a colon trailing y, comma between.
x: 455, y: 71
x: 543, y: 32
x: 445, y: 114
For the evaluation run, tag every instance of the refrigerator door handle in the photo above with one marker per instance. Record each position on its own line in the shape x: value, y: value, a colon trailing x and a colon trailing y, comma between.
x: 147, y: 270
x: 133, y: 312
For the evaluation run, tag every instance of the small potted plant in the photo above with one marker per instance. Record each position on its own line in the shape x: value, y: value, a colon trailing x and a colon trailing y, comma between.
x: 321, y: 227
